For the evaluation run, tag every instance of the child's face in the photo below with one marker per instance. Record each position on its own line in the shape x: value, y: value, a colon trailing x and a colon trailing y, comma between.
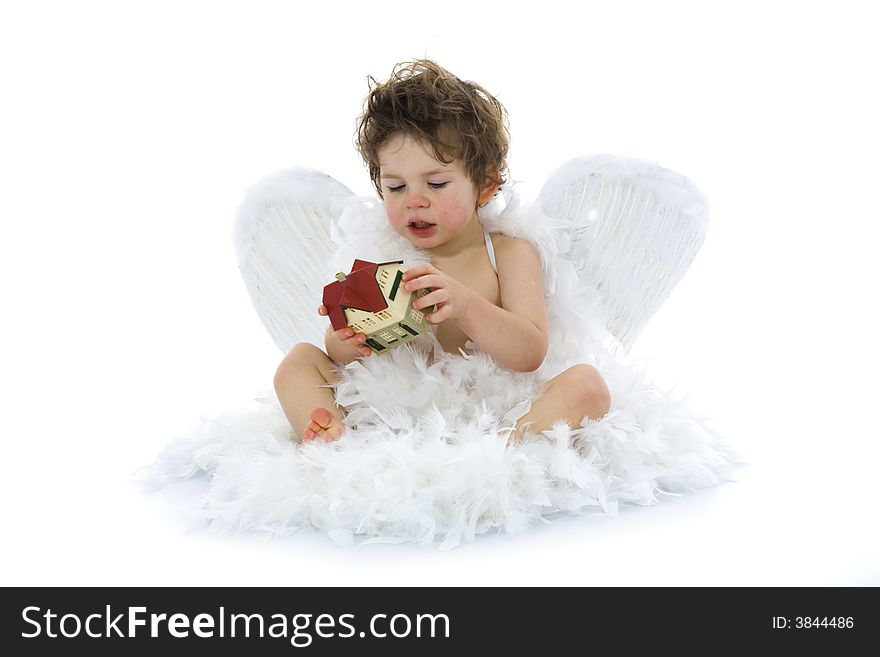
x: 420, y: 189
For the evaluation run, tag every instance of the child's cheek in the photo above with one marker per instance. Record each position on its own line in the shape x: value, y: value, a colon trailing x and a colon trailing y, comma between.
x: 455, y: 213
x: 394, y: 212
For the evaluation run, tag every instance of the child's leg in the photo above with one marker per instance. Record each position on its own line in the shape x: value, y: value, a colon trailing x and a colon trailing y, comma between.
x: 578, y: 392
x: 301, y: 384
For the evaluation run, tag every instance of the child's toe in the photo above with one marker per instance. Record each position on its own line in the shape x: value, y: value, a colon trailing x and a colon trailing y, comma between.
x: 313, y: 430
x: 333, y: 432
x: 322, y: 417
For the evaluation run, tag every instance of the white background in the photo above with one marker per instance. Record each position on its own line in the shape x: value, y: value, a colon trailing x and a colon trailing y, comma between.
x: 130, y: 132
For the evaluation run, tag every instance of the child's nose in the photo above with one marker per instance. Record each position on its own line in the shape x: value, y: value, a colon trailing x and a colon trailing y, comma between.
x: 416, y: 200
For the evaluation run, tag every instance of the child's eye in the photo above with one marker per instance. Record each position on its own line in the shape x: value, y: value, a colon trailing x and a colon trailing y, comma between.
x: 399, y: 188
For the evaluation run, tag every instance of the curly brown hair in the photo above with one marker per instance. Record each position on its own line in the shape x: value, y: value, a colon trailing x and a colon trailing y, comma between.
x: 459, y: 119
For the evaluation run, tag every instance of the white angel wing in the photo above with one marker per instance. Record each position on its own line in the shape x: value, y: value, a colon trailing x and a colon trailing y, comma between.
x: 282, y: 241
x: 631, y: 229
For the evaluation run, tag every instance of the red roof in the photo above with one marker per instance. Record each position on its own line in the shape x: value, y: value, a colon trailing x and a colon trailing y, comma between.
x: 359, y: 290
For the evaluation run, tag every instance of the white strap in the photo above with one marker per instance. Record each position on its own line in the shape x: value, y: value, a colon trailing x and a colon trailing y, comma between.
x: 490, y: 249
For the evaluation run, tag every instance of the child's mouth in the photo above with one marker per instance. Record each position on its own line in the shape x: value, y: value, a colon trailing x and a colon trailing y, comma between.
x: 421, y: 228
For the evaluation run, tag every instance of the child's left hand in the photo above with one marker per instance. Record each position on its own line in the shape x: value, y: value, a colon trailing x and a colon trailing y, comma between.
x: 451, y: 297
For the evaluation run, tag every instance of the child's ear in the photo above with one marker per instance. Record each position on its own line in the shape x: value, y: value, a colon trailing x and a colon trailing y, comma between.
x: 490, y: 187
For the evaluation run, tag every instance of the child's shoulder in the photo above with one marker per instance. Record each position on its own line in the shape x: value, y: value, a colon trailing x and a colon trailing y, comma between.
x: 510, y: 243
x: 514, y: 252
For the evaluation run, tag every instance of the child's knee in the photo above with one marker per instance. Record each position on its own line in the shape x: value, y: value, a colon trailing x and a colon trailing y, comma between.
x: 303, y: 354
x: 591, y: 390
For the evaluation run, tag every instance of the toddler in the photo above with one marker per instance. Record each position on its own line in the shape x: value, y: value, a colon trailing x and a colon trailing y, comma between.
x: 436, y: 148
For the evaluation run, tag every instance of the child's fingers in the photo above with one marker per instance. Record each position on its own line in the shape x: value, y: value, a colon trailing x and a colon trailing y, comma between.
x: 348, y: 335
x: 358, y: 341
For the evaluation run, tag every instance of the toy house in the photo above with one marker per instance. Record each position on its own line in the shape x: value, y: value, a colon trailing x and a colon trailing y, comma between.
x: 371, y: 300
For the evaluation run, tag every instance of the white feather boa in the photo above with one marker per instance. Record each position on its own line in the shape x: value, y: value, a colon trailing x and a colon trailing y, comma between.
x: 425, y: 456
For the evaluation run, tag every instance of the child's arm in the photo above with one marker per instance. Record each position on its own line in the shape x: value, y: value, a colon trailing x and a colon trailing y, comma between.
x: 344, y: 345
x: 516, y: 334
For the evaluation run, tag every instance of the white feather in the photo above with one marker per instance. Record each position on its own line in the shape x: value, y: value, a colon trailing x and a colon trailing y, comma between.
x: 282, y: 241
x: 425, y: 455
x: 630, y: 228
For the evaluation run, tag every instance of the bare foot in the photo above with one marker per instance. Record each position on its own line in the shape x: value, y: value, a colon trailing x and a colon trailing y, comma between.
x: 323, y: 425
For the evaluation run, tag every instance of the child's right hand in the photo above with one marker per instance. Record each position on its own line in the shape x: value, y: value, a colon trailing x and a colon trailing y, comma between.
x: 348, y: 335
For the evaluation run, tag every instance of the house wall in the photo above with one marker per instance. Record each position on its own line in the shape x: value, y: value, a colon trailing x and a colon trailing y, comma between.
x: 383, y: 329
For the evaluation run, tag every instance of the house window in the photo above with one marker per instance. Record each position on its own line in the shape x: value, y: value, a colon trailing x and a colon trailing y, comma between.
x: 416, y: 315
x: 396, y: 284
x: 407, y: 328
